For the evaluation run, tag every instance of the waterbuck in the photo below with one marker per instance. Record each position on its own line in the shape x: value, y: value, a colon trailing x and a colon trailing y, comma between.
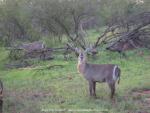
x: 125, y: 45
x: 1, y: 96
x: 93, y: 73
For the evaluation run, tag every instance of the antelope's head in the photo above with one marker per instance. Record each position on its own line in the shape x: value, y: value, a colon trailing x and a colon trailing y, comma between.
x: 82, y: 55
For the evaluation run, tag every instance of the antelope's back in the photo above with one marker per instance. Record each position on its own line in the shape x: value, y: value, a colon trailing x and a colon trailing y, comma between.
x: 99, y: 72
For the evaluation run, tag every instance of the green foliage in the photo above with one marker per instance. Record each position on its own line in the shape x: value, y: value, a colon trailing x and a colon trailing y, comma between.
x: 4, y: 57
x: 16, y: 54
x: 30, y: 20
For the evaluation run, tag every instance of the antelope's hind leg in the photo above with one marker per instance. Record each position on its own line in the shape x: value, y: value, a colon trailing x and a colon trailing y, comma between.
x: 112, y: 88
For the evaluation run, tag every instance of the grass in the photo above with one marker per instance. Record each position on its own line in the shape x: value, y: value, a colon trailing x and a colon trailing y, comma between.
x: 31, y: 90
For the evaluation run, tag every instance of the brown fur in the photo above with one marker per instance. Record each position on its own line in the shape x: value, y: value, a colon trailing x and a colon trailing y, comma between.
x: 98, y: 73
x: 1, y: 96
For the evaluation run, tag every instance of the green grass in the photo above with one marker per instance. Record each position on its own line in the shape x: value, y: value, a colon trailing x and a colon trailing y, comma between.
x: 31, y: 90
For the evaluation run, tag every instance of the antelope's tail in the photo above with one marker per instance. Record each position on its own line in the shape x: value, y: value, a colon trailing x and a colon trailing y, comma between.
x: 116, y: 73
x: 119, y: 73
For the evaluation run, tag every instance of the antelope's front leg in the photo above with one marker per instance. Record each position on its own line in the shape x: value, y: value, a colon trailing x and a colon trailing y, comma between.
x: 91, y: 88
x: 94, y: 89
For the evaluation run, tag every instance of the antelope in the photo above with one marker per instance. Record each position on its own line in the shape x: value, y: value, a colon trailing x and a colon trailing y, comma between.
x: 1, y: 96
x: 93, y: 73
x: 125, y: 45
x: 120, y: 47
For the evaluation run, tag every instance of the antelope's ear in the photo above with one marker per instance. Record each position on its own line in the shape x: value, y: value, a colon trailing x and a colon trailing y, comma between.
x: 77, y: 50
x: 87, y: 50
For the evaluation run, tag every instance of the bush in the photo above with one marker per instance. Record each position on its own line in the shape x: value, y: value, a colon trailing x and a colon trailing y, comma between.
x: 16, y: 54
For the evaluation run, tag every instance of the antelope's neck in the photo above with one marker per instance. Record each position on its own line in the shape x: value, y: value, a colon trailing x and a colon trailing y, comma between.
x: 81, y: 67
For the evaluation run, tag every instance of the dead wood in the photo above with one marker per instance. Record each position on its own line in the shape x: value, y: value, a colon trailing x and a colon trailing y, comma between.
x: 133, y: 34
